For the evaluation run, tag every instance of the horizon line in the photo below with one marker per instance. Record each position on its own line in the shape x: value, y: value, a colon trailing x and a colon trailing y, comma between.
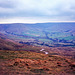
x: 37, y: 22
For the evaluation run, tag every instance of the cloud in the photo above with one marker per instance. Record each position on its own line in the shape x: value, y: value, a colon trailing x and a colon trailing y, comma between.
x: 6, y: 4
x: 49, y: 9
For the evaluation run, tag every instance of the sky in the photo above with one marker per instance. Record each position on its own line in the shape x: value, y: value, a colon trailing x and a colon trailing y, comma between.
x: 37, y: 11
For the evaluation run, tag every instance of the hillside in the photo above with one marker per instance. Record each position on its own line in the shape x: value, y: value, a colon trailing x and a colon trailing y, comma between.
x: 23, y: 59
x: 7, y: 44
x: 27, y: 49
x: 41, y: 34
x: 31, y: 63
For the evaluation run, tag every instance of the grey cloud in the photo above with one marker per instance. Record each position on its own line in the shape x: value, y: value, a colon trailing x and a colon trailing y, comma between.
x: 7, y: 4
x: 37, y: 8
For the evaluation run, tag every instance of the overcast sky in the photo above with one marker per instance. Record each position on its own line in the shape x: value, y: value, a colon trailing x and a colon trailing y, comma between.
x: 33, y: 11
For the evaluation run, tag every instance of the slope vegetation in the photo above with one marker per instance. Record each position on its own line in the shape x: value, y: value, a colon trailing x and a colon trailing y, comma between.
x: 31, y: 63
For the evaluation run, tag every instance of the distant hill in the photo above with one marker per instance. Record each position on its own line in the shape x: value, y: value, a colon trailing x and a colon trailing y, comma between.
x: 46, y: 34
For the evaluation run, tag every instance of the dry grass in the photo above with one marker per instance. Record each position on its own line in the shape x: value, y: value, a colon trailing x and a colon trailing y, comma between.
x: 31, y: 63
